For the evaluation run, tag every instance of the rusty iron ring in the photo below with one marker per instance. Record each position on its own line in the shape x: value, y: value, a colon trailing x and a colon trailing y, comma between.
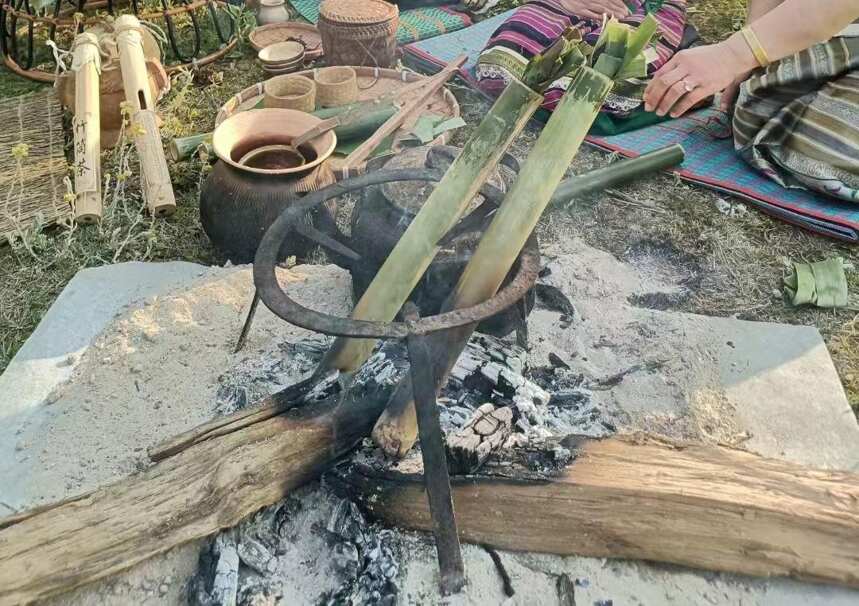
x: 276, y: 299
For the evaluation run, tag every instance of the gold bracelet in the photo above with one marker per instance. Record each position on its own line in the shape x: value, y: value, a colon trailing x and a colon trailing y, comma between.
x: 755, y: 45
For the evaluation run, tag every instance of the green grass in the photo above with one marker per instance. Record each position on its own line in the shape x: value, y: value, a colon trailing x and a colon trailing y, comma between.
x: 743, y: 257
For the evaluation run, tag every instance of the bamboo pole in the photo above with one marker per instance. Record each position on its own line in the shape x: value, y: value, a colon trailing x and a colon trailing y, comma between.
x: 86, y: 65
x: 157, y: 188
x: 416, y: 249
x: 396, y: 430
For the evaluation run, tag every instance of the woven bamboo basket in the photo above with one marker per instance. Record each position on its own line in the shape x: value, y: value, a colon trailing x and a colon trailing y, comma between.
x: 359, y: 32
x: 336, y: 86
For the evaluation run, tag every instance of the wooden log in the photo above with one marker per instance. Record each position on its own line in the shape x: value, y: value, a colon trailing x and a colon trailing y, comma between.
x: 212, y: 484
x: 701, y: 506
x: 157, y: 188
x: 86, y: 64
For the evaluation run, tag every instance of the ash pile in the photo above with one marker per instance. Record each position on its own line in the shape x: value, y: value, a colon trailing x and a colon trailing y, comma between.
x: 318, y: 546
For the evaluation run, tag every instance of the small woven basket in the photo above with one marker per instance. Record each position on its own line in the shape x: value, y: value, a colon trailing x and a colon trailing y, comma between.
x: 336, y: 86
x: 359, y: 32
x: 290, y: 92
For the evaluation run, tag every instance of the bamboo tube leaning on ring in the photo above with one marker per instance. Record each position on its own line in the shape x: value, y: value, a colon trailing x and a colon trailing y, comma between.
x: 396, y: 429
x: 417, y: 247
x: 157, y: 188
x: 86, y: 125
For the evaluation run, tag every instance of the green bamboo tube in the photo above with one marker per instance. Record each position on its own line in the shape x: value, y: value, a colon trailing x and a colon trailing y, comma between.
x: 618, y: 173
x: 418, y: 246
x: 396, y: 430
x: 530, y: 194
x: 184, y: 147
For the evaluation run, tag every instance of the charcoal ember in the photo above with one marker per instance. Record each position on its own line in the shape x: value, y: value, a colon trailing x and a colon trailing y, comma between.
x: 254, y: 554
x: 485, y: 433
x: 255, y: 590
x: 376, y: 562
x: 225, y: 585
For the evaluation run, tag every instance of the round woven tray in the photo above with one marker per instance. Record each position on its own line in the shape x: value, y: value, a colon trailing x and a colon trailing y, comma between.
x: 357, y: 12
x: 267, y: 35
x: 372, y: 83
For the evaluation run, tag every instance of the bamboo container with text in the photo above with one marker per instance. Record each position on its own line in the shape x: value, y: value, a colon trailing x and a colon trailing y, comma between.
x: 157, y: 188
x: 86, y: 65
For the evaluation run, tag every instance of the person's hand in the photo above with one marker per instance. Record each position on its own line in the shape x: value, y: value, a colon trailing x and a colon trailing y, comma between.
x: 695, y: 74
x: 730, y: 94
x: 595, y: 9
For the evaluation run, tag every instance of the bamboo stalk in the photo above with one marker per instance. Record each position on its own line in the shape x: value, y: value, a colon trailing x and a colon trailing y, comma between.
x: 417, y: 247
x: 395, y: 431
x: 185, y: 147
x: 618, y: 173
x: 512, y: 225
x: 157, y: 188
x: 86, y: 64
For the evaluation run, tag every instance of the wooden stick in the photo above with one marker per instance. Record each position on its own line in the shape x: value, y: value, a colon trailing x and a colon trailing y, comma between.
x: 706, y: 507
x: 208, y: 484
x: 362, y: 152
x: 315, y: 131
x: 157, y: 188
x: 86, y: 64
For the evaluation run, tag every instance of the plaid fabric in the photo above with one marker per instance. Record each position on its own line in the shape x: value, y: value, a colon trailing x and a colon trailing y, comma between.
x: 415, y: 24
x: 797, y: 121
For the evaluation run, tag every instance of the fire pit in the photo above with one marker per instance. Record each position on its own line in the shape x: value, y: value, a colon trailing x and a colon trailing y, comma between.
x: 418, y: 333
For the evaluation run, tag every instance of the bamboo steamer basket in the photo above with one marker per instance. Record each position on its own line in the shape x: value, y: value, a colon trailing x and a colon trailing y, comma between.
x: 359, y: 32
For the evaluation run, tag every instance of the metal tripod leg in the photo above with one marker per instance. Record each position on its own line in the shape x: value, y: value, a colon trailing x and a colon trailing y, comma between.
x: 436, y: 477
x: 249, y: 319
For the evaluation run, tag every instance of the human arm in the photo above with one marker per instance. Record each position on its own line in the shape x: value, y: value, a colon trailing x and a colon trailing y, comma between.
x: 788, y: 28
x: 595, y: 9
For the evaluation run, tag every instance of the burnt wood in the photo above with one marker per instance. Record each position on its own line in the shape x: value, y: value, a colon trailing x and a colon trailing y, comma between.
x: 706, y: 507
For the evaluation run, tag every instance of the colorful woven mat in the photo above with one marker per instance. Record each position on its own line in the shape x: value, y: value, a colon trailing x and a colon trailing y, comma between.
x: 705, y: 135
x: 415, y: 24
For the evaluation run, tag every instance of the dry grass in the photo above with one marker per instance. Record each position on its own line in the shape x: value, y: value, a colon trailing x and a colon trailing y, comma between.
x: 740, y: 259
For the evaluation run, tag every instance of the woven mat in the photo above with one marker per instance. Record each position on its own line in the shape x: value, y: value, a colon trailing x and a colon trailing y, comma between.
x: 32, y: 187
x: 710, y: 157
x: 415, y: 24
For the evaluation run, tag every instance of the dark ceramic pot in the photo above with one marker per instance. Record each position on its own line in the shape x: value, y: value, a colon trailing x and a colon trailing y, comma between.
x: 237, y: 207
x: 381, y: 216
x: 258, y: 175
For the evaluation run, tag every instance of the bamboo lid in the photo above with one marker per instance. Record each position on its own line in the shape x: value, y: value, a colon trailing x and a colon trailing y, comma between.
x: 358, y: 12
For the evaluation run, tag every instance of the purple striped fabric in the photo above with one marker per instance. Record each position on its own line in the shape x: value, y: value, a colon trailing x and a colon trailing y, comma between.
x: 534, y: 26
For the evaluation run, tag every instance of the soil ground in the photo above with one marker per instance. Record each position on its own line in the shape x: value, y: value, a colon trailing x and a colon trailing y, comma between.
x: 735, y: 257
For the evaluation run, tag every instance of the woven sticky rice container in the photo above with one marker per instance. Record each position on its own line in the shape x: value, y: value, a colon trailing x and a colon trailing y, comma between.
x: 359, y: 32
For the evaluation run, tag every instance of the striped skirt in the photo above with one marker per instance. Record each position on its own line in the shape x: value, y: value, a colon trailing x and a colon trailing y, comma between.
x: 536, y: 25
x: 797, y: 121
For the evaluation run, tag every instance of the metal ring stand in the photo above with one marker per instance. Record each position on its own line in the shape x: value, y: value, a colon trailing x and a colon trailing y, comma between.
x: 415, y: 330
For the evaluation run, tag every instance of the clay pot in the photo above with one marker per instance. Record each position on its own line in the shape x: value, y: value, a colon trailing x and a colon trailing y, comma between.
x: 272, y: 11
x: 336, y: 86
x: 290, y: 92
x: 258, y: 175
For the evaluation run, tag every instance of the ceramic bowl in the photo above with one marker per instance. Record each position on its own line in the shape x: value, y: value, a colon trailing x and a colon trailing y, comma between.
x: 282, y: 53
x: 271, y: 129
